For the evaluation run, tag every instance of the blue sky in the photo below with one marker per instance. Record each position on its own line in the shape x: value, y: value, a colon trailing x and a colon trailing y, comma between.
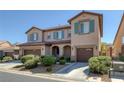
x: 14, y: 24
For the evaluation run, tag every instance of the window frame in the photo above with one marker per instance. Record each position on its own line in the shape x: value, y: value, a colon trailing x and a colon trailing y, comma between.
x: 80, y: 23
x: 58, y: 35
x: 33, y: 37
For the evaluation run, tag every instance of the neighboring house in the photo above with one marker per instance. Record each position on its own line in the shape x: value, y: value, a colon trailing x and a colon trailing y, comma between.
x: 118, y: 44
x: 80, y: 40
x: 109, y: 50
x: 7, y: 49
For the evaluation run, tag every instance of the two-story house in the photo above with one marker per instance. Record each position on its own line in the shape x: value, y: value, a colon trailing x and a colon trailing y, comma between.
x: 8, y: 49
x: 79, y: 40
x: 118, y: 44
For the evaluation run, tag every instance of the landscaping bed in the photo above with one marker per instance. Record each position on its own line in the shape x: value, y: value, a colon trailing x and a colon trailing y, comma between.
x: 6, y: 59
x: 40, y: 68
x: 41, y: 64
x: 100, y: 66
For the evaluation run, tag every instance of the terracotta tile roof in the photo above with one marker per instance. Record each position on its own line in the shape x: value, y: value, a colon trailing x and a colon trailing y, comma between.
x: 50, y: 28
x: 31, y: 44
x: 2, y: 42
x: 57, y: 27
x: 44, y: 43
x: 58, y: 42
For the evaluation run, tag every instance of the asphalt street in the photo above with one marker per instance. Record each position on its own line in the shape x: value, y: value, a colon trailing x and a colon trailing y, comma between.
x: 10, y: 77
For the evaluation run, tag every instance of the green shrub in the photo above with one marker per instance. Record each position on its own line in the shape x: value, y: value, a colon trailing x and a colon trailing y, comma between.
x: 94, y: 65
x: 49, y: 60
x: 6, y: 59
x: 100, y: 64
x: 62, y: 62
x: 62, y: 58
x: 68, y: 59
x: 41, y: 58
x: 106, y: 60
x: 26, y: 57
x: 103, y: 69
x: 1, y: 59
x: 121, y: 58
x: 31, y: 63
x: 36, y: 59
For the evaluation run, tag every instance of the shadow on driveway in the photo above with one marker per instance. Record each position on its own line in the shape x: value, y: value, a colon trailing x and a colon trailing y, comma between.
x: 74, y: 66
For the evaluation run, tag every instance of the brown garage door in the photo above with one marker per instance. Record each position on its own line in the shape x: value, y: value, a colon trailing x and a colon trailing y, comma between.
x: 34, y: 52
x: 83, y: 54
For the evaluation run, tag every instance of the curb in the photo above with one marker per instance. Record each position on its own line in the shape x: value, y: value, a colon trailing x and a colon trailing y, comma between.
x: 40, y: 75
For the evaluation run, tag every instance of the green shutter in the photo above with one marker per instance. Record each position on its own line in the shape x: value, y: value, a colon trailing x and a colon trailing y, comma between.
x: 76, y: 25
x: 62, y: 34
x: 92, y: 25
x: 82, y: 28
x: 54, y: 35
x: 57, y: 35
x: 32, y: 37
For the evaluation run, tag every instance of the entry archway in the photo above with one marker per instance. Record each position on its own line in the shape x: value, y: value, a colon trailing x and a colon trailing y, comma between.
x: 67, y: 51
x: 55, y: 51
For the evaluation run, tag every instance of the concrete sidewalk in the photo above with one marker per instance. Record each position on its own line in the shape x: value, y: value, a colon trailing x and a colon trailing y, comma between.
x: 9, y: 65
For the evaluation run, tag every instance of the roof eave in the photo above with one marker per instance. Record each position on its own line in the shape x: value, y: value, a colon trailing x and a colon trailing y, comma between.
x: 32, y: 28
x: 118, y: 29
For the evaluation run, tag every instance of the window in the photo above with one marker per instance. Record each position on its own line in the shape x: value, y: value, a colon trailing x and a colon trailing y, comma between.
x: 58, y: 35
x: 123, y: 40
x: 84, y: 26
x: 68, y: 33
x: 55, y: 35
x: 49, y: 36
x: 33, y: 37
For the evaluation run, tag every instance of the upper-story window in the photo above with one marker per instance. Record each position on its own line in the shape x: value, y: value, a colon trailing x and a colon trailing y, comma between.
x: 58, y: 35
x: 68, y: 33
x: 86, y: 26
x: 49, y: 36
x: 33, y: 37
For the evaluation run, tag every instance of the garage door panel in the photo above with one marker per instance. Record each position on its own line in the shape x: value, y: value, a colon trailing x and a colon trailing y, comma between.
x: 34, y: 52
x: 83, y: 54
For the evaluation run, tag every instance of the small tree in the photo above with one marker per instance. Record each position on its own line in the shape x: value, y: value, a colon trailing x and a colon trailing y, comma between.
x: 104, y: 49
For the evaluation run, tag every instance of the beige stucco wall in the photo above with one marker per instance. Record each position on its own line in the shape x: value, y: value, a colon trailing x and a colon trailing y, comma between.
x: 45, y: 50
x: 52, y: 31
x: 34, y: 30
x: 61, y: 46
x: 22, y: 48
x: 90, y: 40
x: 118, y: 41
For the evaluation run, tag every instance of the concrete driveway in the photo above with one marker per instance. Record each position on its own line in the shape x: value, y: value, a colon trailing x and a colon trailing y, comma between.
x: 75, y: 70
x: 10, y: 64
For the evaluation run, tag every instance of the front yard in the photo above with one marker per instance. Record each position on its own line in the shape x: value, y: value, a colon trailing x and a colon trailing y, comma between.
x: 43, y: 64
x: 40, y: 68
x: 96, y: 70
